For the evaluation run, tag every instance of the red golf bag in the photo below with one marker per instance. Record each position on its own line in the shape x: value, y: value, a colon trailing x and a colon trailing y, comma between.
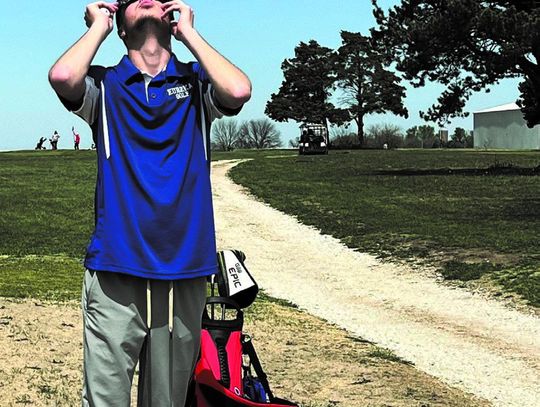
x: 228, y: 373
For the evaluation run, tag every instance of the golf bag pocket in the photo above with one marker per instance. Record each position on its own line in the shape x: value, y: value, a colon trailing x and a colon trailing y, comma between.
x: 254, y: 390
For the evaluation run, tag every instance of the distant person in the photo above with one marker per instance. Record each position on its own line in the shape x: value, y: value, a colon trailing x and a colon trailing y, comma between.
x: 54, y: 140
x: 303, y: 136
x: 39, y: 145
x: 154, y: 240
x: 76, y: 138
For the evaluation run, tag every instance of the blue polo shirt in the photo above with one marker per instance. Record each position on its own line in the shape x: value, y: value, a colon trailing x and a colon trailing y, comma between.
x: 153, y: 202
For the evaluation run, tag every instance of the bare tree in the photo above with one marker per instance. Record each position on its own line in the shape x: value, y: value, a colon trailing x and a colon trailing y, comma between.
x: 342, y: 137
x: 225, y: 135
x: 380, y: 134
x: 293, y: 143
x: 259, y: 133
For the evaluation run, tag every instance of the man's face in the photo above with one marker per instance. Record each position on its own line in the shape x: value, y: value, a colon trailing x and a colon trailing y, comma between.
x: 136, y: 12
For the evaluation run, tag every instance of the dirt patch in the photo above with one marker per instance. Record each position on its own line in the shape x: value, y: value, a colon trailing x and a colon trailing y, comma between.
x: 319, y: 364
x: 307, y: 360
x: 41, y: 353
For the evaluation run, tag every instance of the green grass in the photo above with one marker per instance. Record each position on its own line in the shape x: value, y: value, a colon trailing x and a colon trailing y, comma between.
x: 386, y: 354
x: 251, y: 154
x: 461, y: 220
x: 54, y: 278
x: 46, y: 201
x: 47, y: 207
x: 457, y: 270
x: 472, y: 226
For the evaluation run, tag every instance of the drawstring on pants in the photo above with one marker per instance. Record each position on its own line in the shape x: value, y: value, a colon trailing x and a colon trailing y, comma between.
x: 149, y: 305
x: 171, y: 302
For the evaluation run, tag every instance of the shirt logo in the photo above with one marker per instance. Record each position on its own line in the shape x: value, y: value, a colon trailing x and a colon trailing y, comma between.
x: 180, y: 92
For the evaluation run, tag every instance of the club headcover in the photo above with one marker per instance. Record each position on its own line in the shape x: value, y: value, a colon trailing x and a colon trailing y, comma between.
x: 234, y: 280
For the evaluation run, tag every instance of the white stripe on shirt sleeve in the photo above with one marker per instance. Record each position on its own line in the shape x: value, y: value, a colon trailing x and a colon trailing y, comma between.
x: 213, y: 111
x: 89, y: 110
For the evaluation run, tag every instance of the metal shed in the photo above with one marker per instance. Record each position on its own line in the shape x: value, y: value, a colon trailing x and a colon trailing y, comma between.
x: 503, y: 127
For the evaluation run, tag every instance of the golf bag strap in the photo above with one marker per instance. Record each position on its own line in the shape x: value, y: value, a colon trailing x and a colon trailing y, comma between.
x: 249, y: 350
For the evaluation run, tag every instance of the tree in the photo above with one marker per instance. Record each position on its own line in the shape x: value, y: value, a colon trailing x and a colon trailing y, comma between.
x: 459, y: 135
x: 366, y: 85
x: 293, y: 143
x: 259, y: 133
x: 412, y: 140
x: 469, y: 140
x: 304, y: 93
x: 342, y: 137
x: 458, y: 138
x: 225, y: 135
x: 423, y: 135
x: 465, y: 45
x: 426, y: 133
x: 378, y: 135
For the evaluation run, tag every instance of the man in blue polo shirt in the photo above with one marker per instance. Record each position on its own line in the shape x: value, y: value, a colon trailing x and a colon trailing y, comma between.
x: 154, y: 240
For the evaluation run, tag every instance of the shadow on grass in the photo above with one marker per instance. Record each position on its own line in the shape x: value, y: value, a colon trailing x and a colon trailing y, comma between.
x: 457, y: 270
x: 523, y: 279
x: 387, y: 354
x: 493, y: 170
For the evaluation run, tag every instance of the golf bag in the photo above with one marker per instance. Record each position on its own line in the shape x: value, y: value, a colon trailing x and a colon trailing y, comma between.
x: 228, y: 372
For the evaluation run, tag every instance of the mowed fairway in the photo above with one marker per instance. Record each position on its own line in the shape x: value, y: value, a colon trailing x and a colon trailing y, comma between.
x: 46, y: 199
x: 435, y: 206
x: 47, y: 218
x: 47, y: 207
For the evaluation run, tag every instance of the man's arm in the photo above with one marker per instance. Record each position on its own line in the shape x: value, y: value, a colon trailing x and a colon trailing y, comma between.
x: 67, y: 75
x: 232, y: 87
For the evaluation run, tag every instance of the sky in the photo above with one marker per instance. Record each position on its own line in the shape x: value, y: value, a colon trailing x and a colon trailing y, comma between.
x: 255, y: 35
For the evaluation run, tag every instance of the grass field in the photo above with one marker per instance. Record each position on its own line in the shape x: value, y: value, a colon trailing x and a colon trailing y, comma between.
x: 46, y: 202
x: 369, y: 199
x: 433, y: 205
x: 445, y: 207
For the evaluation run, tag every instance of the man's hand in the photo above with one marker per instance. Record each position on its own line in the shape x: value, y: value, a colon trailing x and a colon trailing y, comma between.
x: 180, y: 29
x: 67, y: 75
x: 101, y: 14
x: 232, y: 86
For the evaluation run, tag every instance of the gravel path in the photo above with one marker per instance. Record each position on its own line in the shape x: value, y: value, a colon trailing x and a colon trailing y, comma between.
x: 467, y: 341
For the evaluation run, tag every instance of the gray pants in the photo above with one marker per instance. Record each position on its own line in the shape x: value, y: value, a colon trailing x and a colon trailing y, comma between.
x: 116, y: 336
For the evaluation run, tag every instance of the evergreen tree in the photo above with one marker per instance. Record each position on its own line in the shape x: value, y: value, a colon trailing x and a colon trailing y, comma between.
x: 366, y: 85
x: 304, y: 93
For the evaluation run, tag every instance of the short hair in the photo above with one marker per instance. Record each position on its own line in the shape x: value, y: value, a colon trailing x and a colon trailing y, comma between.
x: 120, y: 17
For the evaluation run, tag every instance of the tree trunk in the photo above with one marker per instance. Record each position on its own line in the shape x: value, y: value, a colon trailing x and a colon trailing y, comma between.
x: 360, y: 124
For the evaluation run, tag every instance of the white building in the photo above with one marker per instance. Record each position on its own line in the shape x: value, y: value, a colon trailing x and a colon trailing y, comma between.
x: 504, y: 127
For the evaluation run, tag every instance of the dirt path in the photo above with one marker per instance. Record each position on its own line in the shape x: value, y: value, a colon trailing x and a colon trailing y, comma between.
x: 471, y: 343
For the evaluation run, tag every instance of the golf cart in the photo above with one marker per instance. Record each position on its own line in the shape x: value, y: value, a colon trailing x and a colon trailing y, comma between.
x: 313, y: 139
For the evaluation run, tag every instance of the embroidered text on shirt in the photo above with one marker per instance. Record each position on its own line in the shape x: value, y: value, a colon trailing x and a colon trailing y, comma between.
x: 181, y: 92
